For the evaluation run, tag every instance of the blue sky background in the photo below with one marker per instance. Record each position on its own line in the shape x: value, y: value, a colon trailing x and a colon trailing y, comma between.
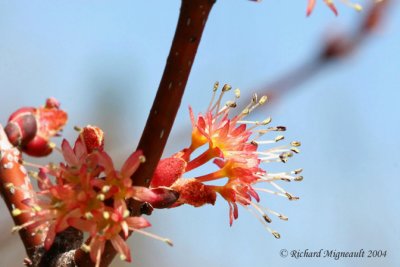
x: 104, y: 59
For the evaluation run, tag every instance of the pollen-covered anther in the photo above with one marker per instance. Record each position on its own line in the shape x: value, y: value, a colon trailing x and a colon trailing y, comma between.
x: 254, y: 99
x: 226, y: 88
x: 295, y: 150
x: 285, y: 155
x: 126, y: 214
x: 105, y: 188
x: 216, y: 85
x: 355, y: 6
x: 16, y: 212
x: 295, y: 143
x: 9, y: 185
x: 78, y: 129
x: 253, y: 142
x: 85, y: 248
x: 36, y: 208
x: 283, y: 217
x: 100, y: 197
x: 298, y: 178
x: 291, y: 197
x: 237, y: 93
x: 88, y: 215
x: 276, y: 235
x: 263, y: 100
x: 267, y: 218
x: 280, y: 128
x: 297, y: 171
x: 106, y: 215
x: 266, y: 121
x: 230, y: 104
x: 279, y: 138
x: 52, y: 145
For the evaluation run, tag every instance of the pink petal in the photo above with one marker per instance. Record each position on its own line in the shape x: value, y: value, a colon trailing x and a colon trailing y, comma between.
x: 120, y: 245
x: 310, y: 6
x: 83, y: 225
x: 223, y: 132
x: 239, y: 130
x: 80, y: 149
x: 131, y: 164
x: 125, y: 228
x: 235, y: 210
x: 137, y: 223
x: 143, y: 194
x: 69, y: 154
x: 105, y: 161
x: 230, y: 214
x: 331, y: 6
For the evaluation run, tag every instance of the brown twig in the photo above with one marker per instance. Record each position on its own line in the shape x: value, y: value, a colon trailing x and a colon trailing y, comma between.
x: 192, y: 20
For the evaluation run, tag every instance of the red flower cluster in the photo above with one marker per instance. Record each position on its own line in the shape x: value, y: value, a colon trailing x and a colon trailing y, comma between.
x: 90, y: 195
x: 235, y: 150
x: 86, y: 191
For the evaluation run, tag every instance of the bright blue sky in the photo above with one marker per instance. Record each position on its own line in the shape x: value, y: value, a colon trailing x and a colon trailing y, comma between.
x: 103, y: 60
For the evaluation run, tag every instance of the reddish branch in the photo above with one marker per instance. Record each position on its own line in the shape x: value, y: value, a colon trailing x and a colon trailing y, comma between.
x: 15, y: 187
x: 192, y: 20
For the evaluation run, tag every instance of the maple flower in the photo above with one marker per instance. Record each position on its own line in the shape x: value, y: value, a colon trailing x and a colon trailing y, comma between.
x: 331, y: 5
x: 234, y: 145
x: 89, y: 194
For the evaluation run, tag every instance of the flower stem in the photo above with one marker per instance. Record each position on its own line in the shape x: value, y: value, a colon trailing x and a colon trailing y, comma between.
x: 200, y: 160
x: 211, y: 176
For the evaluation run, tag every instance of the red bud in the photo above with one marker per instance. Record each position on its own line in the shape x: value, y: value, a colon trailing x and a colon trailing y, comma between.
x: 166, y: 198
x: 168, y: 171
x: 31, y: 128
x: 38, y: 147
x: 93, y: 138
x: 22, y: 126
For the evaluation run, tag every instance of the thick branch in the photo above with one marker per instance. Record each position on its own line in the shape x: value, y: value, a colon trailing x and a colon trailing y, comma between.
x: 192, y: 20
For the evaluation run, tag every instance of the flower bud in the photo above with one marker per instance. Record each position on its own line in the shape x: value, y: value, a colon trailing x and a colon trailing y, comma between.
x: 165, y: 198
x: 93, y: 138
x: 31, y: 128
x: 22, y: 126
x: 168, y: 171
